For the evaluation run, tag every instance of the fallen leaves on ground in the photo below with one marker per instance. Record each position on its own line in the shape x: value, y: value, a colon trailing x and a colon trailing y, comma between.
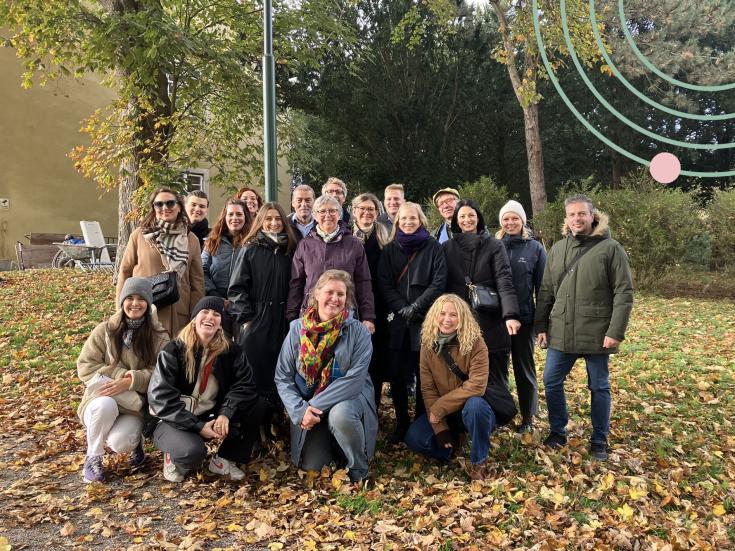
x: 667, y: 485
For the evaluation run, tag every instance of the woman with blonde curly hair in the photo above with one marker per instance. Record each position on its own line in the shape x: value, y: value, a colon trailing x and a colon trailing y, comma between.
x: 454, y: 368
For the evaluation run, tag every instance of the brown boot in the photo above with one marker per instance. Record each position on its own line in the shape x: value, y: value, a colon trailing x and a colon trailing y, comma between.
x: 478, y: 471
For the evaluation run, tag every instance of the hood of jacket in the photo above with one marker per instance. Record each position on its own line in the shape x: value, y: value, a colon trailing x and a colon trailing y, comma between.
x: 600, y: 226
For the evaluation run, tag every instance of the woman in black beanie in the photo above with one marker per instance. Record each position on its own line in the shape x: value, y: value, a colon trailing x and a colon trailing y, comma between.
x: 202, y: 389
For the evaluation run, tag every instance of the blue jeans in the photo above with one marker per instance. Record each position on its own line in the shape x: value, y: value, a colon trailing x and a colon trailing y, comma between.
x: 344, y: 427
x: 558, y: 366
x: 476, y: 418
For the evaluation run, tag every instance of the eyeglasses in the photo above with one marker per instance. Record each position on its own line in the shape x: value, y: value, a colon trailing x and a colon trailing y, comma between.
x: 158, y: 205
x: 447, y: 201
x: 366, y: 209
x: 329, y: 212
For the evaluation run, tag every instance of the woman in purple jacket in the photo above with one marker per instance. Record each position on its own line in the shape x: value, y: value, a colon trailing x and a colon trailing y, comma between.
x: 330, y: 246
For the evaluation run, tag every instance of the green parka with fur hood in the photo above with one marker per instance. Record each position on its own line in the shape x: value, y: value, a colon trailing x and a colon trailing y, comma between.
x: 595, y: 298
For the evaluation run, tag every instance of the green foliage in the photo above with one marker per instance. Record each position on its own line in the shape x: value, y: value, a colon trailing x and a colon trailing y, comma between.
x: 186, y: 74
x: 721, y: 225
x: 429, y: 116
x: 489, y: 196
x: 657, y: 226
x: 485, y: 192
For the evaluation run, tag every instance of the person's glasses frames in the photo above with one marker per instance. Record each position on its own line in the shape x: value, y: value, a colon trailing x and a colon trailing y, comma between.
x: 158, y: 205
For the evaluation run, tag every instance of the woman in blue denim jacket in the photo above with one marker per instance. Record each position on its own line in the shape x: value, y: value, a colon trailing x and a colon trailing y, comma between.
x: 322, y: 378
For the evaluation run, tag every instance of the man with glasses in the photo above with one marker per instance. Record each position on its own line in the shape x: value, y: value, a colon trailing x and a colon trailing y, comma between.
x: 393, y: 198
x: 302, y: 218
x: 197, y: 208
x: 582, y: 310
x: 445, y: 200
x: 338, y: 189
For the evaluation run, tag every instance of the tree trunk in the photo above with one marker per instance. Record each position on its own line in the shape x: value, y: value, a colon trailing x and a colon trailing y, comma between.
x: 535, y: 156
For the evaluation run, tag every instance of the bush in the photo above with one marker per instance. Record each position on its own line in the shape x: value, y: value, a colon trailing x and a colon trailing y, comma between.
x: 657, y: 226
x: 485, y: 192
x: 721, y: 225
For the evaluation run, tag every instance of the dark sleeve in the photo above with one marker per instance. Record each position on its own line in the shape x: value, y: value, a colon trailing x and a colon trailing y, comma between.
x: 242, y: 394
x: 546, y: 298
x: 239, y: 291
x: 504, y: 281
x: 164, y: 398
x: 386, y: 282
x: 297, y: 284
x: 363, y: 285
x: 538, y: 269
x: 438, y: 279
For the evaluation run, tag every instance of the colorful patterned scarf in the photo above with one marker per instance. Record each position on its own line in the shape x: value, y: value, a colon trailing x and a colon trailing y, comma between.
x: 172, y: 242
x: 362, y: 235
x: 316, y: 351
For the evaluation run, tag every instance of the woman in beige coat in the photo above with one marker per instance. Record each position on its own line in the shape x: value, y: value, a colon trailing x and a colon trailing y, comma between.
x: 163, y: 242
x: 115, y: 364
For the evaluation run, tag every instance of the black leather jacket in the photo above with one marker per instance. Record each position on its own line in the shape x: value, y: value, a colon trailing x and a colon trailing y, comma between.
x: 236, y: 394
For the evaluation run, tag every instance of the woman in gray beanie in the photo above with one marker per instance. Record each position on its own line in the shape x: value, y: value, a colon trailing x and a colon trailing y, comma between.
x: 115, y: 364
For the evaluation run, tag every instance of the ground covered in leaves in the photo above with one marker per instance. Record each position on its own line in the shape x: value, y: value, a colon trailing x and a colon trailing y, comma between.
x: 669, y: 483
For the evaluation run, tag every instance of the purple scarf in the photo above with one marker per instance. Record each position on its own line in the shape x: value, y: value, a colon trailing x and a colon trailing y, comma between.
x: 411, y: 242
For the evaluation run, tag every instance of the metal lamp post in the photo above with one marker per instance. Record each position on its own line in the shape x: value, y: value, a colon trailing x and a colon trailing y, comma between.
x: 269, y: 106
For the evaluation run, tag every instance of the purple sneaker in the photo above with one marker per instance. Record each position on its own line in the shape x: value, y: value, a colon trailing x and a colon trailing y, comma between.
x: 93, y: 471
x: 137, y: 456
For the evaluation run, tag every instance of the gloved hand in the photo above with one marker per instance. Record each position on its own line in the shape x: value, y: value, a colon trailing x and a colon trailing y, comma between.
x: 408, y: 313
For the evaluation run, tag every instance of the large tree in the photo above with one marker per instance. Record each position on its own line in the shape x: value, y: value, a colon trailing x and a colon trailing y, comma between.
x: 519, y: 52
x: 186, y: 74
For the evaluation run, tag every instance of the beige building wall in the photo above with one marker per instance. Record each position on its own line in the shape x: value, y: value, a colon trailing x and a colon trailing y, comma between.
x: 38, y: 183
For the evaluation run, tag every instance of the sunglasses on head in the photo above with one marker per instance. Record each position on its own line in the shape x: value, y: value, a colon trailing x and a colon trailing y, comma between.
x: 171, y: 203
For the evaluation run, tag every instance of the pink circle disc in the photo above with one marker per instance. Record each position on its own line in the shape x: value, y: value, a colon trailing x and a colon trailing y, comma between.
x: 665, y: 168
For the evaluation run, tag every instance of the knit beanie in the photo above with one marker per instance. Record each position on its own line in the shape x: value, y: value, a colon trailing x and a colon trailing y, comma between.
x: 512, y: 206
x: 137, y: 286
x: 209, y: 303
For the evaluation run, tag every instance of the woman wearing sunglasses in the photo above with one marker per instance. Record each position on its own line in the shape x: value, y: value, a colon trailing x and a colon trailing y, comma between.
x: 163, y: 242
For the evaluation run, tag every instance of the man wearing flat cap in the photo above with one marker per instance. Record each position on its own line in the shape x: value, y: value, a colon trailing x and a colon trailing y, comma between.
x: 445, y: 200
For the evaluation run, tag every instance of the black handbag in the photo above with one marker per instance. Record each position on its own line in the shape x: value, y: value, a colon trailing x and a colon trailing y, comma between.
x: 482, y: 297
x: 165, y: 289
x: 497, y: 395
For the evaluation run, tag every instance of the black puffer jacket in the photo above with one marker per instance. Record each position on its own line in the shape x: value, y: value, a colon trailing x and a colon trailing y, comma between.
x: 236, y: 393
x: 491, y: 269
x: 258, y: 292
x: 422, y: 284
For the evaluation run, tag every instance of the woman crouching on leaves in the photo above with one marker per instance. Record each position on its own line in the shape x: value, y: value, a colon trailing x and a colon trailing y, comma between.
x: 454, y: 402
x: 116, y: 363
x: 202, y: 389
x: 322, y: 378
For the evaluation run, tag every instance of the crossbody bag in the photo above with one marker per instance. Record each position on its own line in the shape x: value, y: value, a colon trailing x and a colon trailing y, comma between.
x: 497, y: 396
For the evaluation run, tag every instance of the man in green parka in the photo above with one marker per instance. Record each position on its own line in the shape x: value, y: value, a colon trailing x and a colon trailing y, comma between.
x: 582, y: 310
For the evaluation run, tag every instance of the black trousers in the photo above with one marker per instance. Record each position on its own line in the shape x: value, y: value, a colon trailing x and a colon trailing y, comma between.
x: 402, y: 363
x: 189, y: 450
x: 524, y: 371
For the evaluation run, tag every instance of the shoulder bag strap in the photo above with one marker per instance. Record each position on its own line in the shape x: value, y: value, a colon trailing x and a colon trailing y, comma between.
x: 405, y: 268
x: 575, y: 260
x: 468, y: 278
x: 452, y: 365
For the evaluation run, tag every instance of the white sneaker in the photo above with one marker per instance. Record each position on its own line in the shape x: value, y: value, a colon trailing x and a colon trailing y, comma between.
x: 223, y: 467
x: 170, y: 472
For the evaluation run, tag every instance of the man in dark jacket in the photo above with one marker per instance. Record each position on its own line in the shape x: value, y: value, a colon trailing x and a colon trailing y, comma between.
x: 393, y: 198
x: 582, y: 311
x: 445, y: 200
x: 197, y: 208
x: 302, y: 218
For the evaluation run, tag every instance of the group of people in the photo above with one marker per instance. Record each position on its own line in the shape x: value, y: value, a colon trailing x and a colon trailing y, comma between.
x: 311, y: 313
